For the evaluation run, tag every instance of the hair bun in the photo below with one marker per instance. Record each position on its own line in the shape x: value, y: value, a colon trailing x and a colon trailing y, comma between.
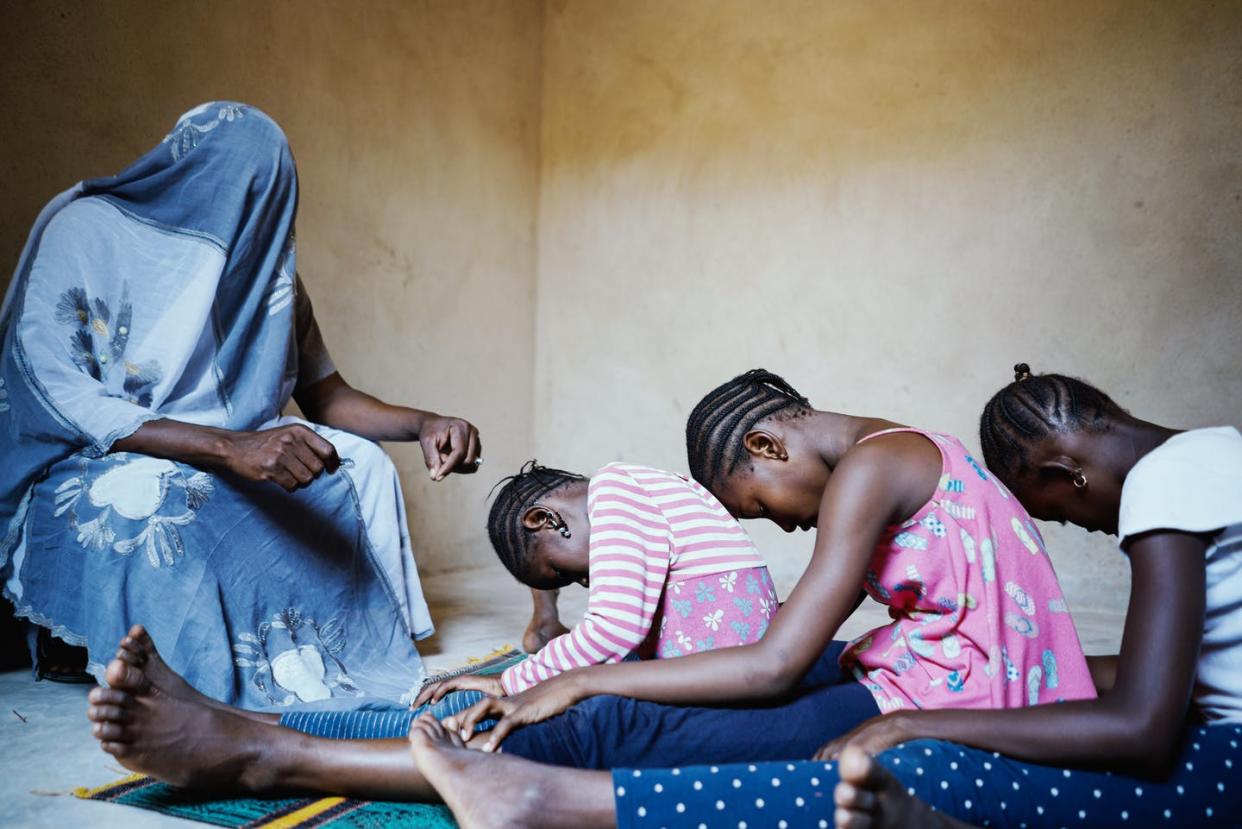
x: 1021, y: 372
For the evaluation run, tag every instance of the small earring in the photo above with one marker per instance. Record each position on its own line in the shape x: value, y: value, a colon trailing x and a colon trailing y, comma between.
x: 561, y: 527
x: 1080, y: 480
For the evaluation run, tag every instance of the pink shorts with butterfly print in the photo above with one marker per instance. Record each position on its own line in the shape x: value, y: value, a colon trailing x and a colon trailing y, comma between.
x: 702, y: 613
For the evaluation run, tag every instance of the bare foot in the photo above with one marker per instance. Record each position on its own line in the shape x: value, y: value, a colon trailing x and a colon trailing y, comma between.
x: 137, y: 650
x: 143, y: 667
x: 540, y: 632
x: 545, y: 621
x: 520, y: 793
x: 154, y: 723
x: 868, y: 797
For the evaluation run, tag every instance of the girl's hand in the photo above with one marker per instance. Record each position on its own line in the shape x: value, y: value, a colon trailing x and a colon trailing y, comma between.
x: 434, y: 692
x: 547, y: 699
x: 873, y: 736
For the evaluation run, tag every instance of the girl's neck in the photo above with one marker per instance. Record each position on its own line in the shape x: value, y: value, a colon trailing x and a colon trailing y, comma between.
x: 832, y: 434
x: 1130, y: 439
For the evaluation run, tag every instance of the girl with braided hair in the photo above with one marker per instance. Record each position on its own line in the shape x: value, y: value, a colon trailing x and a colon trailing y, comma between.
x: 1170, y: 707
x: 907, y: 516
x: 669, y: 571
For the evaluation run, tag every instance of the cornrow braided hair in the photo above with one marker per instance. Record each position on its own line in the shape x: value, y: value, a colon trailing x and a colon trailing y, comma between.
x: 1034, y: 407
x: 518, y: 493
x: 718, y: 425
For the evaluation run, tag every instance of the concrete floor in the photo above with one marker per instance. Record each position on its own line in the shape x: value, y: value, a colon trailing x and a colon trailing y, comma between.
x: 48, y: 751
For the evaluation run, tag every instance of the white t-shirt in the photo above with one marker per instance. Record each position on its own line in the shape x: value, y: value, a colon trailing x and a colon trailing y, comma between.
x: 1193, y: 482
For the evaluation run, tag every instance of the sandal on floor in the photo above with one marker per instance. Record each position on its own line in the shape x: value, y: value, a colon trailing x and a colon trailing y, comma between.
x: 61, y: 662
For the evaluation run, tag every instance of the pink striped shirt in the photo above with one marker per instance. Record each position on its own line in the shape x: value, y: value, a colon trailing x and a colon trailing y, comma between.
x: 647, y: 528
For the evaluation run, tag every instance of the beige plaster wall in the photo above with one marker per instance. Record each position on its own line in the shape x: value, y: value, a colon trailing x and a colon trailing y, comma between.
x: 890, y: 203
x: 597, y: 211
x: 415, y: 127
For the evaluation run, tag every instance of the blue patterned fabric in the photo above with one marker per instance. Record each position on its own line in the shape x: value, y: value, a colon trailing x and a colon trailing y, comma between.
x: 982, y: 788
x: 380, y: 725
x: 604, y: 732
x: 170, y: 290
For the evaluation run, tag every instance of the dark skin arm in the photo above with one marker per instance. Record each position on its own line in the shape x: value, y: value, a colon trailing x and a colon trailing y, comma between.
x: 449, y: 444
x: 876, y: 484
x: 1133, y: 725
x: 294, y: 455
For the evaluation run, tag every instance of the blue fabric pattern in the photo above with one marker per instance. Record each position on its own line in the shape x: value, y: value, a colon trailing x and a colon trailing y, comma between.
x: 380, y: 725
x: 607, y: 731
x: 168, y: 291
x: 982, y: 788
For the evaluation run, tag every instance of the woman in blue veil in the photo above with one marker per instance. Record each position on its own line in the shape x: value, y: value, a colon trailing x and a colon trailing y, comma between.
x: 152, y: 336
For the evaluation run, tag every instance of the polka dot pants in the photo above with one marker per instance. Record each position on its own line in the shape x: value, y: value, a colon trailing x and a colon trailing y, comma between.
x: 979, y: 787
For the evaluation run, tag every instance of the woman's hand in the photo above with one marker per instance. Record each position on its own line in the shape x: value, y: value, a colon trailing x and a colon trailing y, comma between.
x: 547, y: 699
x: 873, y: 736
x: 434, y: 692
x: 291, y: 456
x: 449, y: 444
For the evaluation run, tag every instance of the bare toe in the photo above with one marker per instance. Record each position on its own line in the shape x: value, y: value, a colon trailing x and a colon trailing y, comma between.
x: 107, y: 732
x: 845, y: 819
x: 108, y: 713
x: 849, y: 796
x: 121, y: 674
x: 115, y: 749
x: 100, y: 695
x: 857, y: 766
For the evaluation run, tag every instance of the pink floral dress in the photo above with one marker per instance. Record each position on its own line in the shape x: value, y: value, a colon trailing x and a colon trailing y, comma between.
x: 978, y: 616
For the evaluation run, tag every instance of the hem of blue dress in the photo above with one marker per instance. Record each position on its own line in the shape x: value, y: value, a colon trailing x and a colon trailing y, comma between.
x: 27, y: 612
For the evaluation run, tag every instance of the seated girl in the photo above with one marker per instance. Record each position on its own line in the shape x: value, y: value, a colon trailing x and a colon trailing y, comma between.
x: 978, y: 621
x: 668, y: 569
x: 906, y: 515
x: 150, y: 341
x: 1128, y: 758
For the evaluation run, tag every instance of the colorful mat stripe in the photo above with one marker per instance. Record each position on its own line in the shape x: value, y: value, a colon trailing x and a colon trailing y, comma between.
x: 145, y: 792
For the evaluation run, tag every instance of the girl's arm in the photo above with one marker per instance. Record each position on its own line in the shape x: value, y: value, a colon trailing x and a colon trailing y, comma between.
x: 1137, y: 722
x: 876, y: 484
x: 629, y: 559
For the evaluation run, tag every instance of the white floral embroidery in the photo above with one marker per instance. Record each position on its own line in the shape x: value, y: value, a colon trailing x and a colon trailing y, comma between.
x: 713, y: 619
x: 186, y: 134
x: 300, y: 671
x: 284, y: 285
x: 728, y: 581
x: 161, y: 538
x: 134, y: 490
x: 685, y: 641
x: 96, y: 535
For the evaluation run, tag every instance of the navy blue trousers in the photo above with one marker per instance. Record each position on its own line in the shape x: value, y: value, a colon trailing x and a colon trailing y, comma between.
x: 981, y: 788
x: 606, y: 732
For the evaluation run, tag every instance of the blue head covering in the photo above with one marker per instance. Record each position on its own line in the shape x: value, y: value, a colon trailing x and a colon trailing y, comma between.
x: 161, y: 291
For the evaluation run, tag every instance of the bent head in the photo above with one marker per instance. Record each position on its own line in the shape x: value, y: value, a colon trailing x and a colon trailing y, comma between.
x: 539, y: 529
x: 745, y: 446
x: 1053, y: 440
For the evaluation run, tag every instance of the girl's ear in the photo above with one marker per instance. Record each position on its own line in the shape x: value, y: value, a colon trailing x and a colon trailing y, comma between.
x: 1062, y: 466
x: 761, y: 443
x: 537, y: 518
